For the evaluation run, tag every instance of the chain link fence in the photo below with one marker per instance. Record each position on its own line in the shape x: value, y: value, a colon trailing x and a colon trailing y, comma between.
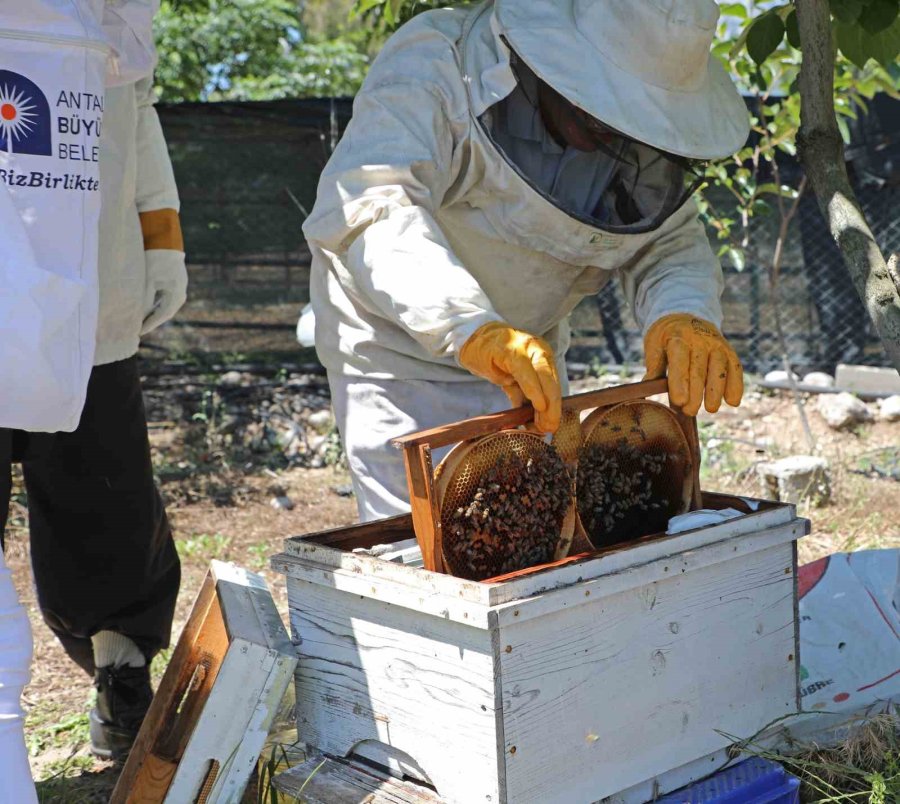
x: 247, y: 175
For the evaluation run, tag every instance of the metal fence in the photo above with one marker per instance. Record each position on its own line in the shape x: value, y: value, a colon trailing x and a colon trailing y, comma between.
x: 247, y: 175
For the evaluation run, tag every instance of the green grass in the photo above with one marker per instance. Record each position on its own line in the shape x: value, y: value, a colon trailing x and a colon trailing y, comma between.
x: 863, y: 769
x: 259, y: 556
x: 71, y: 731
x: 203, y: 546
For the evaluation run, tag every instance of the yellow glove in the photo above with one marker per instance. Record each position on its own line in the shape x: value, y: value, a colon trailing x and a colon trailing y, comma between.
x: 698, y: 358
x: 521, y: 364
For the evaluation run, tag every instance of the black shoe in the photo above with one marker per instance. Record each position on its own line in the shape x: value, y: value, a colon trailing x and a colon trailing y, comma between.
x: 123, y: 697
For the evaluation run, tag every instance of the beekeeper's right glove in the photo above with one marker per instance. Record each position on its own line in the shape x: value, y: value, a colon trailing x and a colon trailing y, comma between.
x: 523, y: 365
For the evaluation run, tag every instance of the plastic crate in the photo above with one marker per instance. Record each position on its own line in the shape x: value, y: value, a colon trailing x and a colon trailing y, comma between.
x: 753, y: 781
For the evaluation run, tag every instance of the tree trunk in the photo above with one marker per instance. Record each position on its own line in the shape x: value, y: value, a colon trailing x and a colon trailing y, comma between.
x: 822, y: 154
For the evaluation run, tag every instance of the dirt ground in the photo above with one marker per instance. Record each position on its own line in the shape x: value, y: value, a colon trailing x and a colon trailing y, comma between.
x: 220, y: 462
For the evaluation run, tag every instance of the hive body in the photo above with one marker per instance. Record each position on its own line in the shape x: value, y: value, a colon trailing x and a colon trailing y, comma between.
x: 611, y: 676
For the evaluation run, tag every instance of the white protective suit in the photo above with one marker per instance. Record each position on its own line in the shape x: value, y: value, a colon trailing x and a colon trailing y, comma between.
x: 142, y: 274
x: 57, y: 58
x: 424, y: 231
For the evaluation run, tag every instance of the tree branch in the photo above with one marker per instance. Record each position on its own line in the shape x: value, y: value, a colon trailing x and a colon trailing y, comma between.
x: 822, y: 153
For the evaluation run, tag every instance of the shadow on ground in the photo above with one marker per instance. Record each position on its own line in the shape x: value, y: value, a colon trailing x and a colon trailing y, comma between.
x: 87, y: 787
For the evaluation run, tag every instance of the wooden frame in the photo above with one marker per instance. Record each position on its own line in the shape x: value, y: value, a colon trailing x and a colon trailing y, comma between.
x: 215, y: 704
x: 417, y: 450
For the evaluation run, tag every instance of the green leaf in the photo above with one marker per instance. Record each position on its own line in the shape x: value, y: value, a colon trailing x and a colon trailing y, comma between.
x: 769, y: 187
x: 846, y: 11
x: 878, y: 15
x: 843, y: 128
x: 362, y: 6
x: 765, y: 35
x: 734, y: 10
x: 859, y: 46
x: 793, y: 30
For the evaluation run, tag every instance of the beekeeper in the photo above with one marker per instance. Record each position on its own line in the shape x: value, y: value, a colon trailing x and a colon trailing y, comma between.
x: 56, y: 60
x: 503, y: 162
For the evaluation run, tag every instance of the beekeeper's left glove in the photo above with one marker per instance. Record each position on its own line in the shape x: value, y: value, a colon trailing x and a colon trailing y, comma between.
x: 701, y: 363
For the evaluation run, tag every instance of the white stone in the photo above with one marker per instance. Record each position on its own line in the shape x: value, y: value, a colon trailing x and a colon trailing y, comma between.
x: 819, y: 379
x: 867, y: 379
x: 889, y: 408
x: 796, y: 478
x: 321, y: 420
x: 231, y: 378
x: 290, y: 434
x: 842, y: 410
x: 779, y: 375
x: 282, y: 503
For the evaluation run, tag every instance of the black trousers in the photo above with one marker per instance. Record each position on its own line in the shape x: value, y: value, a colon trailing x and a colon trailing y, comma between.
x: 101, y: 548
x: 5, y: 480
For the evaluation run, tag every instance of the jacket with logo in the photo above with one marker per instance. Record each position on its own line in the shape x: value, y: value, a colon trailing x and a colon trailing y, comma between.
x: 423, y: 230
x: 58, y: 57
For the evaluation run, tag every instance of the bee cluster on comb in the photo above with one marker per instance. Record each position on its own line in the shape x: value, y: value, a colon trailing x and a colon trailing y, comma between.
x: 510, y: 519
x: 617, y: 497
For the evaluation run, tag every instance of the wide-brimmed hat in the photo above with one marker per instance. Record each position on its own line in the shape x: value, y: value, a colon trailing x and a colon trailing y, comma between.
x: 642, y: 67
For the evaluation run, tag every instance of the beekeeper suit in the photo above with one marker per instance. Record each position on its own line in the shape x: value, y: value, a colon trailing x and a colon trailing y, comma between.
x: 57, y: 58
x: 502, y: 163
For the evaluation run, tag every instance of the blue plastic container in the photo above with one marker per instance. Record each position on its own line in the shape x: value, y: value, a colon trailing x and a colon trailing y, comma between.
x: 753, y: 781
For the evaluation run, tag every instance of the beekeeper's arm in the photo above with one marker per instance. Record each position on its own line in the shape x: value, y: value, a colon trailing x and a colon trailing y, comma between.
x: 674, y: 287
x: 375, y: 212
x: 165, y: 287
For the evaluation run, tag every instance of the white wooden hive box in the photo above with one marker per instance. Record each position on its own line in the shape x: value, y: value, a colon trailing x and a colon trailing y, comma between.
x: 618, y: 676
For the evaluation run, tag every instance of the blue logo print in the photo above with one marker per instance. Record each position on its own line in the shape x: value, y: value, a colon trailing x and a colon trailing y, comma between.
x: 24, y: 116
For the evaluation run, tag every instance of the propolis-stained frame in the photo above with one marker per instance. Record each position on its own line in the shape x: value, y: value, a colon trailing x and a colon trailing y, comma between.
x: 418, y: 447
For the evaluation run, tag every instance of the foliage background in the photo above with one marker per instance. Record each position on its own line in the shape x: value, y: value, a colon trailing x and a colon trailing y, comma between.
x: 258, y: 50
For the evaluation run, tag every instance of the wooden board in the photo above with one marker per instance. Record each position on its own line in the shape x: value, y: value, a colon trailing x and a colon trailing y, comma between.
x: 364, y: 535
x: 426, y: 516
x: 216, y: 701
x: 327, y: 780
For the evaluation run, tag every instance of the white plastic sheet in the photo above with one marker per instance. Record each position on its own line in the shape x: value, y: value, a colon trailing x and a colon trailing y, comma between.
x: 849, y: 641
x: 849, y: 631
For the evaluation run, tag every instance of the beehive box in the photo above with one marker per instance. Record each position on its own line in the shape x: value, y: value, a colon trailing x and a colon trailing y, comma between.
x: 622, y: 674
